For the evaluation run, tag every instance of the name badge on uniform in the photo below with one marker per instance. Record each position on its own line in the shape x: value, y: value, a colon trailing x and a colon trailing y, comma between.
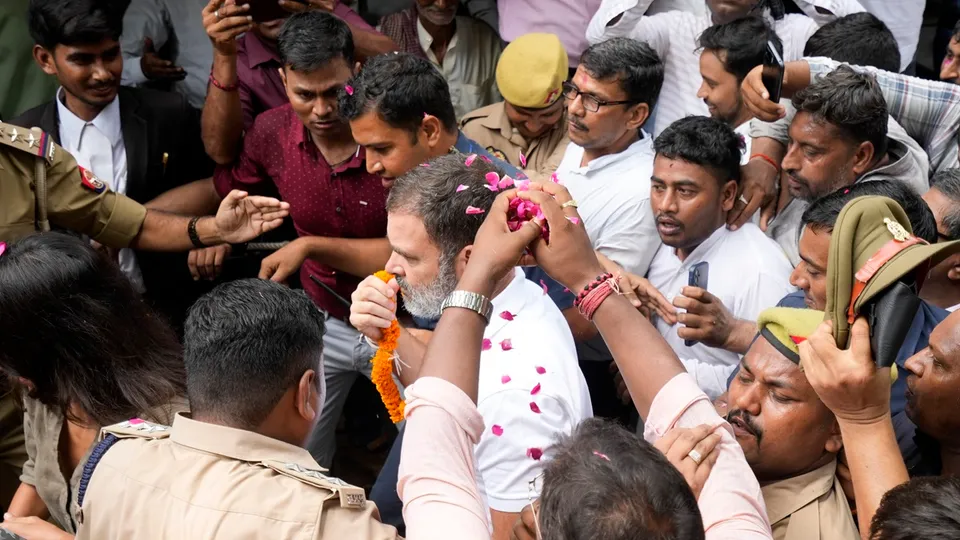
x: 90, y: 181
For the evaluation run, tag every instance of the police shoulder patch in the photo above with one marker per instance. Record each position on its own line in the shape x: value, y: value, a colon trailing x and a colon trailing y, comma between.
x: 350, y: 496
x: 90, y: 181
x: 497, y: 153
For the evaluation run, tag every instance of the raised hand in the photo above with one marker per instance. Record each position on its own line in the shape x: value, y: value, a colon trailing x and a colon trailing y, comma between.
x: 243, y: 217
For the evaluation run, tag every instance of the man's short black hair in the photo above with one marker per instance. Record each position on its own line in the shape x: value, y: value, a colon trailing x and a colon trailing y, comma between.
x: 311, y: 39
x: 431, y: 194
x: 401, y: 88
x: 822, y: 214
x: 634, y: 64
x: 851, y: 102
x: 860, y: 39
x: 246, y: 343
x: 948, y: 183
x: 605, y: 483
x: 704, y: 141
x: 741, y: 45
x: 925, y: 507
x: 73, y: 22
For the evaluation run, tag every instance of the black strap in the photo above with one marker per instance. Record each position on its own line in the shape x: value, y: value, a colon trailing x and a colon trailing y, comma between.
x: 98, y: 452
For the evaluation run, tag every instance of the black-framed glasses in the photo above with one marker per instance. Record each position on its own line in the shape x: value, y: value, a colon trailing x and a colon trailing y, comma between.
x: 590, y: 102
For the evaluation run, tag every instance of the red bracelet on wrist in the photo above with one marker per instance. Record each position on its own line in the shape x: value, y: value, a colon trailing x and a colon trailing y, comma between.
x: 225, y: 87
x: 766, y: 158
x: 594, y: 293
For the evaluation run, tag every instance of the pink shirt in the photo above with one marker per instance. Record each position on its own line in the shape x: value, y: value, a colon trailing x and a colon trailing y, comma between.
x: 568, y: 19
x: 731, y: 503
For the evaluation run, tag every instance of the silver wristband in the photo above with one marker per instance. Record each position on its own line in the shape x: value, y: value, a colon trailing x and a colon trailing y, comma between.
x: 469, y: 300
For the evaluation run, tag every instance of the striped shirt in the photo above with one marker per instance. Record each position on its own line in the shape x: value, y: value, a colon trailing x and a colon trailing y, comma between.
x: 929, y: 111
x: 674, y: 36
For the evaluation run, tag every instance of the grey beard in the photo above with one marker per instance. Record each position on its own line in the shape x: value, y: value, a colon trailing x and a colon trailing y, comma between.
x: 425, y: 301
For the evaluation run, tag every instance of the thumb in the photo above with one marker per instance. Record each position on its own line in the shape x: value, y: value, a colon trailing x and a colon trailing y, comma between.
x: 148, y: 45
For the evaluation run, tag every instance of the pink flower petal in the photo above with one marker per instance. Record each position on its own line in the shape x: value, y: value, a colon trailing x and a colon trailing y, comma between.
x: 598, y: 454
x: 535, y: 391
x: 470, y: 159
x: 534, y: 453
x: 485, y: 158
x: 506, y: 345
x: 492, y: 178
x: 462, y: 187
x: 473, y: 210
x: 534, y: 407
x: 3, y: 247
x: 522, y: 185
x: 523, y: 160
x: 543, y: 285
x: 492, y: 188
x: 425, y: 165
x: 505, y: 379
x: 506, y: 315
x: 135, y: 421
x: 424, y: 114
x: 505, y: 182
x: 554, y: 178
x: 566, y: 289
x: 498, y: 431
x: 574, y: 220
x: 485, y: 346
x: 348, y: 89
x: 541, y: 370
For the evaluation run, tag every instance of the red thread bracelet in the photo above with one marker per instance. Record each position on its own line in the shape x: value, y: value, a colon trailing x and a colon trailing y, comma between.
x: 595, y: 293
x: 225, y: 87
x: 768, y: 159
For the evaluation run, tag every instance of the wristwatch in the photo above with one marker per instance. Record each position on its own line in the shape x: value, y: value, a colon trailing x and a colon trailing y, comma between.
x: 469, y: 300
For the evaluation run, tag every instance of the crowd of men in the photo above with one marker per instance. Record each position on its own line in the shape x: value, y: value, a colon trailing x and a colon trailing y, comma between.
x: 632, y: 294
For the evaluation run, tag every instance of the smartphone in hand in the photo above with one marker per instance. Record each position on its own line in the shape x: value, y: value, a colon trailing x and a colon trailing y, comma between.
x: 697, y: 277
x: 268, y: 10
x: 772, y: 76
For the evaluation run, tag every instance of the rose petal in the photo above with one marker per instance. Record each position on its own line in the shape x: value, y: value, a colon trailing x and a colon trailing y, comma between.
x: 485, y: 346
x: 492, y: 188
x: 506, y: 345
x: 3, y: 247
x: 574, y: 220
x: 462, y: 187
x: 505, y: 182
x: 566, y: 289
x: 506, y: 315
x: 535, y: 391
x: 541, y: 370
x: 534, y: 407
x: 543, y: 285
x: 522, y: 185
x: 598, y: 454
x: 485, y: 158
x: 498, y: 431
x: 348, y: 89
x: 425, y: 165
x: 492, y: 178
x: 554, y: 178
x: 534, y: 453
x: 523, y: 160
x: 473, y: 210
x: 505, y: 379
x: 470, y: 159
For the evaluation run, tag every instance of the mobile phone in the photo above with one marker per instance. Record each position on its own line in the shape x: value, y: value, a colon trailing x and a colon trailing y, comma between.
x: 772, y: 76
x: 697, y: 277
x: 7, y: 535
x: 268, y: 10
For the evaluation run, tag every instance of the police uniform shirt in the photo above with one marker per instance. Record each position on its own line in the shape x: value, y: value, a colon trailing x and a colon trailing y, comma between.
x: 76, y: 199
x: 43, y: 426
x: 491, y: 128
x: 811, y: 506
x: 198, y: 480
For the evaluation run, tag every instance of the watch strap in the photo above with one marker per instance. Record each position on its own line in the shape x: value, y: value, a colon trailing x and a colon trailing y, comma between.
x: 469, y: 300
x: 192, y: 233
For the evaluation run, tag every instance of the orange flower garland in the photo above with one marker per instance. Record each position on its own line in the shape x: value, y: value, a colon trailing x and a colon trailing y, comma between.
x: 382, y: 373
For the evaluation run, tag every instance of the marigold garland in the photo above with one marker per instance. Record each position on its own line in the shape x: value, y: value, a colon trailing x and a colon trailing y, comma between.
x: 382, y: 373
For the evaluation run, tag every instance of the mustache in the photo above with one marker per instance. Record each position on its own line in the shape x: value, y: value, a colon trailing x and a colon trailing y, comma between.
x: 671, y: 218
x: 747, y: 421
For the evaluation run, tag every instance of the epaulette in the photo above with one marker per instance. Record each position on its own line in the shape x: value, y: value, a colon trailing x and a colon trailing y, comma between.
x: 32, y: 141
x: 350, y: 496
x: 136, y: 429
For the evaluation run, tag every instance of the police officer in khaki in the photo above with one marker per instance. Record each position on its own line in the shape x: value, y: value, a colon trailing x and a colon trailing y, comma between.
x: 235, y: 466
x: 529, y: 129
x: 42, y: 187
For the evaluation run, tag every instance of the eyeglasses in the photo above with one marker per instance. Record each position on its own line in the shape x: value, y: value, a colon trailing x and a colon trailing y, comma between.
x: 590, y: 102
x: 533, y: 492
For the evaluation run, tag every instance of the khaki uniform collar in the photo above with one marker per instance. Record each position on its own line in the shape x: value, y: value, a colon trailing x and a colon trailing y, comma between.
x: 238, y: 444
x: 785, y: 497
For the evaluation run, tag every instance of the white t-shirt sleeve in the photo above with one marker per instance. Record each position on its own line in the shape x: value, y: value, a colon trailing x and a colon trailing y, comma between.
x: 631, y: 241
x: 507, y: 462
x: 769, y: 289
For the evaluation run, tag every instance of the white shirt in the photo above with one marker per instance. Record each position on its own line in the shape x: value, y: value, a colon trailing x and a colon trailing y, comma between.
x: 613, y: 199
x: 469, y: 64
x: 748, y: 273
x: 674, y: 36
x: 954, y: 308
x: 510, y: 381
x: 179, y: 23
x: 743, y: 130
x: 98, y: 146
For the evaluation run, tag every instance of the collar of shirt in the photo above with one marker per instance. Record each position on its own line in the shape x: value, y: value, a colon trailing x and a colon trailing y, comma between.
x: 497, y: 120
x: 785, y: 497
x: 426, y: 41
x: 511, y: 299
x: 71, y: 126
x: 642, y: 146
x: 701, y: 252
x: 258, y: 52
x: 300, y: 136
x: 238, y: 444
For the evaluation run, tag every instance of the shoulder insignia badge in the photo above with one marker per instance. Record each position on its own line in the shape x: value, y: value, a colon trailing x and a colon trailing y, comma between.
x: 90, y: 181
x: 136, y: 428
x: 497, y: 153
x: 350, y: 496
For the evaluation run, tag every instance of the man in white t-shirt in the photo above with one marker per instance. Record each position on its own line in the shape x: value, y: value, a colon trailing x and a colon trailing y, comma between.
x: 530, y: 386
x: 741, y: 273
x: 729, y: 52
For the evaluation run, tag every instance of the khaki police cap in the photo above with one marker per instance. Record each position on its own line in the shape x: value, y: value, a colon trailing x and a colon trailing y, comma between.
x: 531, y: 71
x: 786, y: 328
x: 871, y: 248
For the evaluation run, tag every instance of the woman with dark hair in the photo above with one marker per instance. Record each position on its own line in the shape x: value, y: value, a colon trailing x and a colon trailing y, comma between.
x: 86, y: 352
